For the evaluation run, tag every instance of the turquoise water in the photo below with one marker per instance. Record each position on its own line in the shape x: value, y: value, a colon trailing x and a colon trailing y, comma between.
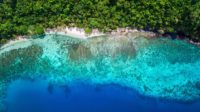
x: 158, y: 68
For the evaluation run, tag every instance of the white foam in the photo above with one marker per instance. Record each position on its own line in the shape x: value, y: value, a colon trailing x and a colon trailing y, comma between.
x: 15, y: 44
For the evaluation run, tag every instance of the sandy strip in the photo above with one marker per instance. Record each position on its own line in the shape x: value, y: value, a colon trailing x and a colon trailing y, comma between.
x: 80, y: 33
x: 74, y: 32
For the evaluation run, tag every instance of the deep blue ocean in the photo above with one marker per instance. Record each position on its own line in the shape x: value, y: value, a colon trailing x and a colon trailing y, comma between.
x: 38, y: 96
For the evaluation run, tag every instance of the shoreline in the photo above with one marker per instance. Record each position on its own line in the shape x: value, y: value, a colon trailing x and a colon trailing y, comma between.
x: 80, y: 33
x: 118, y: 33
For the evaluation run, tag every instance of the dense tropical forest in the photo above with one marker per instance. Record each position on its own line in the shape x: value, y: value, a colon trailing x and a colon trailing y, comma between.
x: 29, y: 17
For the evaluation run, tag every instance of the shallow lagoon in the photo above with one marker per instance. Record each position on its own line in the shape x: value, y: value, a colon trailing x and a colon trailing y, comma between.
x: 145, y: 74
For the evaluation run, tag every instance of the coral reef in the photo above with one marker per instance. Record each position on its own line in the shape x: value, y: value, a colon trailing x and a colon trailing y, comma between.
x: 157, y: 67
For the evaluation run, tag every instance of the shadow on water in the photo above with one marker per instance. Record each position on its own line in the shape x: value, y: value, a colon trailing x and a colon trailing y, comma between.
x: 41, y: 96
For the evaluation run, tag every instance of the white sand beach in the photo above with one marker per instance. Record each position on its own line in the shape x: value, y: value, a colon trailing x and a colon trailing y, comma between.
x: 74, y: 32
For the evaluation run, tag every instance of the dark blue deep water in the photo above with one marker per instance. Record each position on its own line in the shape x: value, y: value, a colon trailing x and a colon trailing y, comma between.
x: 39, y: 96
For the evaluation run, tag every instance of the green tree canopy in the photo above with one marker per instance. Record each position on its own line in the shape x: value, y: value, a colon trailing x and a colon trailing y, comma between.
x: 28, y: 17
